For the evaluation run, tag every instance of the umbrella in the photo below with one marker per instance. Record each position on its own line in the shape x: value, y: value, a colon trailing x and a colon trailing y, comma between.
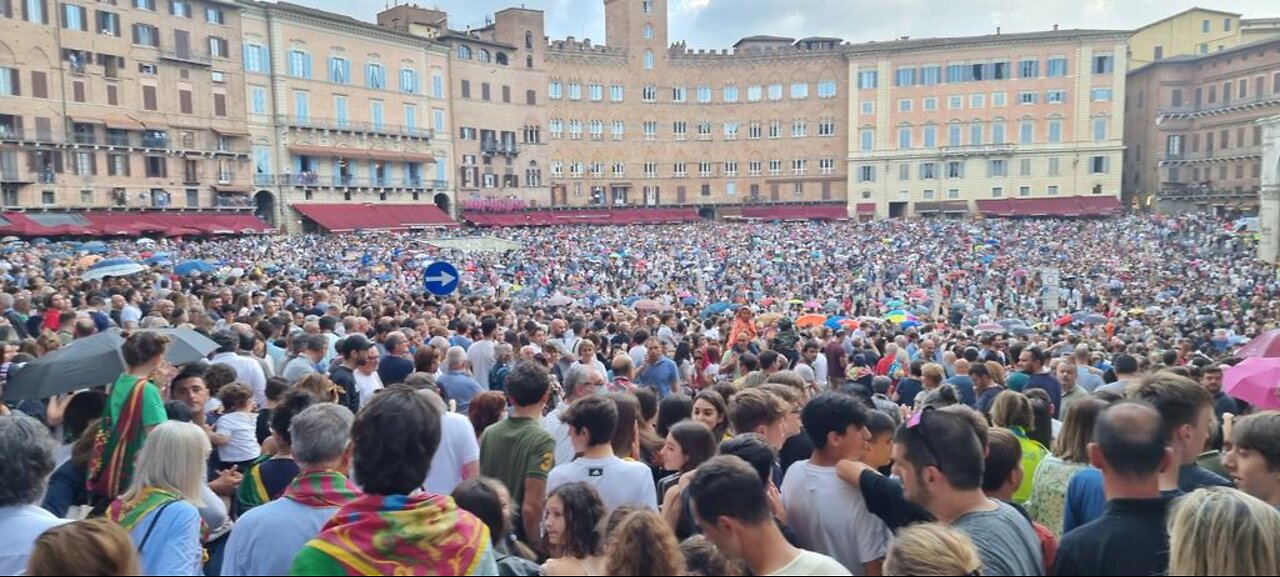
x: 631, y: 300
x: 648, y: 305
x: 833, y: 323
x: 1022, y: 330
x: 893, y: 304
x: 715, y: 309
x: 689, y: 301
x: 1254, y: 380
x: 1095, y: 320
x: 795, y: 302
x: 870, y: 320
x: 89, y: 260
x: 1136, y: 311
x: 918, y: 294
x: 146, y: 241
x: 95, y: 246
x: 768, y: 318
x: 9, y: 239
x: 113, y: 267
x: 1010, y: 323
x: 1265, y: 345
x: 812, y: 305
x: 1063, y: 321
x: 811, y: 321
x: 40, y: 241
x: 989, y: 328
x: 95, y: 361
x: 191, y: 267
x: 559, y: 301
x: 909, y: 324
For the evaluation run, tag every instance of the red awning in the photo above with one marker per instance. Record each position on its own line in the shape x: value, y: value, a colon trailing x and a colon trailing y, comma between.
x: 621, y: 216
x: 866, y: 208
x: 356, y: 153
x: 136, y: 223
x: 1052, y: 206
x: 798, y: 212
x: 349, y: 217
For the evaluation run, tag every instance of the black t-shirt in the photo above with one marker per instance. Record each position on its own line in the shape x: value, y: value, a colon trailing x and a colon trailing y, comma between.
x: 1128, y: 539
x: 795, y: 448
x: 346, y: 381
x: 886, y: 500
x: 264, y: 425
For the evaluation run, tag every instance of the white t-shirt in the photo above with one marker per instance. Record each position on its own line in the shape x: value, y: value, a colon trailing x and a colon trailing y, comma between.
x: 482, y: 358
x: 619, y: 482
x: 367, y: 385
x: 820, y: 370
x: 559, y: 430
x: 831, y: 517
x: 458, y: 446
x: 810, y: 563
x: 242, y: 428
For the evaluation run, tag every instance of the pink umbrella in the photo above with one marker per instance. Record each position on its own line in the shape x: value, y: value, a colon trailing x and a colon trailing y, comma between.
x: 1264, y: 345
x: 1256, y: 380
x: 989, y: 328
x: 812, y: 305
x: 648, y: 305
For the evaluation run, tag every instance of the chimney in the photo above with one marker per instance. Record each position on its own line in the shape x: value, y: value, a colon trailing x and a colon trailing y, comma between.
x: 997, y: 30
x: 1055, y: 27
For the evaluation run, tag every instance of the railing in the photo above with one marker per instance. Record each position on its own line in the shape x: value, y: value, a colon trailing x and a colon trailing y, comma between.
x: 352, y: 126
x: 1203, y: 192
x: 155, y: 142
x: 82, y: 138
x: 189, y: 57
x: 1191, y: 110
x: 1224, y: 155
x: 505, y: 148
x: 119, y: 140
x: 977, y: 149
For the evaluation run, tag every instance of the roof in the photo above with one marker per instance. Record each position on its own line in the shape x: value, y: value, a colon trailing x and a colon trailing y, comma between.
x: 1185, y: 12
x: 620, y: 216
x: 129, y: 223
x: 367, y: 216
x: 950, y: 42
x: 1185, y: 58
x: 460, y: 35
x: 764, y: 38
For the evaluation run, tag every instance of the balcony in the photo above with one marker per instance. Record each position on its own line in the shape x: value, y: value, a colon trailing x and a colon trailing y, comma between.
x: 978, y: 150
x: 503, y: 148
x: 348, y: 181
x: 188, y: 57
x: 122, y: 140
x: 1191, y: 111
x: 155, y: 141
x: 1212, y: 156
x: 339, y: 125
x: 1204, y: 193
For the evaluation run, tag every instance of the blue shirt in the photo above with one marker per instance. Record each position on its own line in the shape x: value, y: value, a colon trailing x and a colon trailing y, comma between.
x: 1087, y: 380
x: 20, y: 526
x: 174, y: 546
x: 661, y: 377
x: 459, y: 386
x: 964, y: 386
x: 1049, y: 384
x: 393, y: 370
x: 266, y: 539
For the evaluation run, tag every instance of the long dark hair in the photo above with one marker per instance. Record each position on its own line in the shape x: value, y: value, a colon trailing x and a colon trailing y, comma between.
x: 717, y: 400
x: 480, y: 498
x: 672, y: 410
x: 1040, y: 407
x: 583, y: 513
x: 697, y: 441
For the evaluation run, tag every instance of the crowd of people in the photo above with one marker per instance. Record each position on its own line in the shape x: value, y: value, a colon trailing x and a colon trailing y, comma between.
x: 983, y: 397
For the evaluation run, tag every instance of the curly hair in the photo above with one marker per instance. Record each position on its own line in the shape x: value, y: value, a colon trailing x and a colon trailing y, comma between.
x: 486, y: 409
x: 319, y: 386
x: 643, y: 544
x: 583, y: 514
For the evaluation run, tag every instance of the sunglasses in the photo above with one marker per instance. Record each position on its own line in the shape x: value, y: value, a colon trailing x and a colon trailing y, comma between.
x: 916, y: 424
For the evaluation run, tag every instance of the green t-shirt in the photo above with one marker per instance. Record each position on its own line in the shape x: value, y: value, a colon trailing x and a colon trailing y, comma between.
x: 516, y: 449
x: 153, y: 412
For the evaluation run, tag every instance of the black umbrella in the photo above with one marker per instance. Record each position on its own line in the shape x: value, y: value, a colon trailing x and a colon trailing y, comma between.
x: 95, y: 361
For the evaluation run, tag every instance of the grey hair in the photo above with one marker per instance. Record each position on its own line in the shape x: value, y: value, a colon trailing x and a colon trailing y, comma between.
x: 578, y: 374
x: 439, y: 343
x: 435, y: 399
x: 320, y: 433
x: 503, y: 351
x: 456, y: 358
x: 6, y: 300
x: 28, y: 460
x: 422, y: 382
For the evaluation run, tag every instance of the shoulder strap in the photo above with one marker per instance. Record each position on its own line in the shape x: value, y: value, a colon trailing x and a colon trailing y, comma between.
x: 146, y: 536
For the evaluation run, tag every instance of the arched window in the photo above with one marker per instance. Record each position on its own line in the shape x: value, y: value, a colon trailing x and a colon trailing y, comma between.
x: 464, y: 52
x: 648, y: 60
x: 528, y: 40
x: 648, y: 32
x: 502, y: 58
x: 482, y: 55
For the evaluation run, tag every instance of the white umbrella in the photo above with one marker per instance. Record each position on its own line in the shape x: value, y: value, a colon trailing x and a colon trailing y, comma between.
x: 146, y: 241
x: 122, y: 269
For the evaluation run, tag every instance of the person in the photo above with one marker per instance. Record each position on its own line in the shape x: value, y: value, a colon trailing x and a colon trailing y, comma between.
x: 732, y: 509
x: 276, y: 389
x: 948, y: 484
x: 573, y: 533
x: 932, y: 549
x: 986, y: 385
x: 504, y: 359
x: 66, y: 488
x: 488, y: 499
x: 642, y: 544
x: 236, y: 430
x: 320, y: 388
x: 456, y: 383
x: 1125, y: 367
x: 368, y: 383
x: 160, y: 509
x: 581, y: 381
x: 485, y: 410
x: 908, y: 388
x: 592, y: 422
x: 1253, y: 456
x: 1069, y: 376
x: 269, y: 477
x: 703, y: 559
x: 1070, y: 456
x: 1222, y: 531
x: 1001, y: 476
x: 392, y: 528
x: 265, y: 540
x: 133, y: 409
x: 311, y: 351
x: 1032, y: 362
x: 963, y: 382
x: 830, y: 516
x: 688, y: 445
x: 1131, y: 448
x: 1186, y: 409
x: 672, y: 410
x: 658, y: 372
x: 396, y: 364
x: 1211, y: 380
x: 757, y: 411
x: 25, y: 468
x: 458, y: 457
x: 354, y: 352
x: 89, y: 547
x: 248, y: 371
x: 517, y: 451
x: 709, y: 409
x: 482, y: 354
x: 806, y: 364
x: 1012, y: 411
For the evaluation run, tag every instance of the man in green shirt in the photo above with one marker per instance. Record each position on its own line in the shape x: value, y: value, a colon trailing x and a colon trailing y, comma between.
x: 517, y: 451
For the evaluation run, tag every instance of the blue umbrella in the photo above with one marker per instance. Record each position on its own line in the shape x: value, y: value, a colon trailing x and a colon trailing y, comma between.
x: 112, y: 267
x: 193, y: 266
x: 715, y: 309
x: 110, y: 262
x: 833, y: 323
x: 631, y: 300
x: 158, y: 258
x: 94, y: 246
x: 40, y: 241
x: 909, y: 324
x: 689, y: 301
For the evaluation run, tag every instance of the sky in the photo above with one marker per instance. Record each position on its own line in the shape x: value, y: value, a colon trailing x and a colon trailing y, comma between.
x: 720, y: 23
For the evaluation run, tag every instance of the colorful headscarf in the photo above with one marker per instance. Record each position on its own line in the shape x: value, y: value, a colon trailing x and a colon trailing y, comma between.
x: 322, y: 489
x: 403, y: 535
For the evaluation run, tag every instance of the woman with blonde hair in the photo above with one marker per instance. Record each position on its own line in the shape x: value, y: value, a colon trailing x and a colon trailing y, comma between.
x: 160, y: 508
x: 1222, y: 531
x: 642, y: 543
x: 929, y: 549
x: 91, y: 547
x: 319, y: 387
x: 1012, y: 411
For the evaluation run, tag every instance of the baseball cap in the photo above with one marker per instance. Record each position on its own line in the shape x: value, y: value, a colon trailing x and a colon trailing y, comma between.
x: 354, y: 343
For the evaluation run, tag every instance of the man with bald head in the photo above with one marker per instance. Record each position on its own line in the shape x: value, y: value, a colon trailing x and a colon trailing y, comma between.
x: 963, y: 383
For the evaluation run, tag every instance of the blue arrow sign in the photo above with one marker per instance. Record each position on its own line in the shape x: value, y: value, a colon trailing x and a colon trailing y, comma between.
x: 441, y: 278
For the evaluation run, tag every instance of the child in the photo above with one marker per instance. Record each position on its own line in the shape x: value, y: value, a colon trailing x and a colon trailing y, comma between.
x: 236, y: 430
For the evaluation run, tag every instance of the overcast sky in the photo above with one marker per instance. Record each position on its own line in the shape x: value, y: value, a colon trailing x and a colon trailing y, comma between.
x: 720, y: 23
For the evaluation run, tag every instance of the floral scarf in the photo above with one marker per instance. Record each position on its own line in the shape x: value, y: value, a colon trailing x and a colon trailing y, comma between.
x: 322, y: 489
x: 404, y: 535
x: 129, y: 513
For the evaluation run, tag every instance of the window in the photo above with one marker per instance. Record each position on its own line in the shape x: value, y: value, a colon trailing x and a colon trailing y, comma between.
x: 679, y: 94
x: 218, y: 47
x: 866, y: 139
x: 755, y: 93
x: 145, y: 5
x: 148, y: 35
x: 575, y: 130
x: 799, y: 166
x: 680, y: 130
x: 1100, y: 165
x: 798, y: 129
x: 904, y: 138
x: 1025, y: 98
x: 930, y: 136
x: 409, y: 81
x: 905, y: 76
x: 998, y: 167
x: 704, y: 94
x: 731, y: 168
x: 35, y: 11
x: 180, y: 8
x: 575, y: 91
x: 680, y: 170
x: 555, y: 90
x: 953, y: 135
x: 799, y: 91
x: 928, y: 171
x: 465, y: 89
x: 868, y: 107
x: 1099, y: 129
x: 775, y: 92
x: 647, y: 7
x: 648, y: 32
x: 1226, y: 24
x: 1055, y: 131
x: 904, y: 105
x: 1101, y: 94
x: 1103, y: 63
x: 1054, y: 166
x: 618, y: 129
x: 955, y: 169
x: 827, y: 127
x: 257, y: 100
x: 1052, y: 190
x: 648, y: 60
x: 1026, y: 132
x: 975, y: 134
x: 704, y: 131
x: 867, y: 80
x: 649, y: 94
x: 731, y: 131
x: 957, y: 73
x: 1024, y: 191
x: 615, y: 93
x: 826, y: 166
x: 1204, y: 26
x: 977, y: 100
x: 556, y: 127
x: 437, y: 120
x: 157, y: 166
x: 730, y: 93
x: 482, y: 55
x: 214, y: 16
x: 997, y: 192
x: 108, y: 23
x: 73, y: 17
x: 867, y: 174
x: 595, y: 92
x: 299, y: 64
x: 376, y: 114
x: 1055, y: 97
x: 997, y: 99
x: 755, y: 131
x: 827, y: 89
x: 754, y: 168
x: 1029, y: 69
x: 1057, y: 67
x: 930, y: 104
x: 955, y: 102
x: 410, y: 118
x: 775, y: 129
x: 705, y: 169
x: 650, y: 130
x: 930, y: 75
x: 597, y: 130
x: 775, y: 167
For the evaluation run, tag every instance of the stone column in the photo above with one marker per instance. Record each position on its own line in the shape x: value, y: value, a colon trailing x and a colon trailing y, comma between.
x: 1269, y: 215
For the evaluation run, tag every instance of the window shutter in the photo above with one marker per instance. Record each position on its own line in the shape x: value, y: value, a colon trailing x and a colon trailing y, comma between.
x: 15, y: 81
x: 77, y: 91
x: 149, y: 97
x: 6, y: 6
x: 113, y: 97
x: 219, y: 104
x: 57, y: 162
x: 184, y: 101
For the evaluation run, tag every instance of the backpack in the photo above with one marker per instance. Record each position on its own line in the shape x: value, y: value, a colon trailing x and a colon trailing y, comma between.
x: 498, y: 377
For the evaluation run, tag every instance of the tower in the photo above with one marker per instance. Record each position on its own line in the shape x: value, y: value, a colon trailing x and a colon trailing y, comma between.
x: 637, y: 26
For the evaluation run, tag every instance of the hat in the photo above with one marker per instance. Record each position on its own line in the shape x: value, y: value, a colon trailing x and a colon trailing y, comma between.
x: 354, y: 343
